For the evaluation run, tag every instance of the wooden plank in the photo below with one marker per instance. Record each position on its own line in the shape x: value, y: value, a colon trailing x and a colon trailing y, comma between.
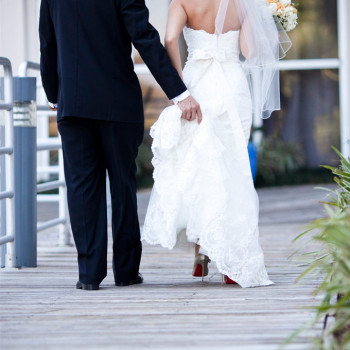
x: 41, y: 309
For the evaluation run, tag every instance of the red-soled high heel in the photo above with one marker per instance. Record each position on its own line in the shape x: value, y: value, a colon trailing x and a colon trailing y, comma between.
x: 227, y: 280
x: 200, y: 268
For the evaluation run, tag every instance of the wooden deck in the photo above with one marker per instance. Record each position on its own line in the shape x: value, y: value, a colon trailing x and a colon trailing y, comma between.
x: 41, y: 309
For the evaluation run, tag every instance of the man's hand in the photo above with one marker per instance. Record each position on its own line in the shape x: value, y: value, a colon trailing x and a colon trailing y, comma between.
x: 54, y: 109
x: 190, y: 109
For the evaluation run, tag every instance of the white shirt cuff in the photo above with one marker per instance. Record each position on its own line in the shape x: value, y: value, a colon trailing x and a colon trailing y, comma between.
x: 53, y: 105
x: 181, y: 97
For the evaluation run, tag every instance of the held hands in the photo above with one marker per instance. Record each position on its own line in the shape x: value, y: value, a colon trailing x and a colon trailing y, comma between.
x: 190, y: 109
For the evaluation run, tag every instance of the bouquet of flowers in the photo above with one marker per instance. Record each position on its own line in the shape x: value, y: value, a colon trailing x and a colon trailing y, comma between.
x: 285, y: 12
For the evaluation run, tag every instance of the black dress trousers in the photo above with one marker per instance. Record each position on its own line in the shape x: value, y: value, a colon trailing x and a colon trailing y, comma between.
x: 90, y: 148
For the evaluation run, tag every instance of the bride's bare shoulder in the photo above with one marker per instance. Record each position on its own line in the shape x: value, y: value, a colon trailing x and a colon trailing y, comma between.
x: 178, y: 2
x: 178, y: 5
x: 189, y: 5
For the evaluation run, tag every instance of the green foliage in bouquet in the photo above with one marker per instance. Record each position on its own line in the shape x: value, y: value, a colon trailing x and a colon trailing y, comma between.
x: 332, y: 260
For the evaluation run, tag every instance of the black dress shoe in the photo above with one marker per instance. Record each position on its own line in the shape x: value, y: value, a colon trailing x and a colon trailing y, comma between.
x: 137, y: 280
x: 84, y: 286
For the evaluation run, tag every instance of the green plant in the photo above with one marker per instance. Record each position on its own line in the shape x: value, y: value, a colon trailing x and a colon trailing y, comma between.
x: 277, y: 158
x: 144, y: 160
x: 332, y: 260
x: 340, y: 197
x: 144, y: 164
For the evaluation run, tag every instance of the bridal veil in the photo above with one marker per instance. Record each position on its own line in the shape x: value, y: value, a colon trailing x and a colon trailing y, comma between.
x: 266, y: 42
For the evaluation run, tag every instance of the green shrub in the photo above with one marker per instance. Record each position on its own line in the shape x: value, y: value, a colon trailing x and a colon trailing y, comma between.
x: 144, y: 164
x: 332, y: 260
x: 276, y: 160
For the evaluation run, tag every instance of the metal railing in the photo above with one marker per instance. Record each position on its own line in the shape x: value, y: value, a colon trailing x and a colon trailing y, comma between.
x: 51, y: 144
x: 8, y: 222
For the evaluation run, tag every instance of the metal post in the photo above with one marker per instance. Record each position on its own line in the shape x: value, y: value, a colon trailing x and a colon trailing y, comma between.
x: 109, y: 200
x: 344, y: 74
x: 25, y: 66
x: 24, y: 114
x: 64, y: 229
x: 46, y: 144
x: 8, y: 194
x: 43, y: 158
x: 2, y: 185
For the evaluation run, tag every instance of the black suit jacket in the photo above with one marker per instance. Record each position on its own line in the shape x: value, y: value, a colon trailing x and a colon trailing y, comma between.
x: 86, y: 63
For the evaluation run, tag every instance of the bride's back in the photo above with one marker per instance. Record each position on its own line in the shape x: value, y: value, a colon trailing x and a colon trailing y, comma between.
x: 201, y: 14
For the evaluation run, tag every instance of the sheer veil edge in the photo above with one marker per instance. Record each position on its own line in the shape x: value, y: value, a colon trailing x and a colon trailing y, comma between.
x: 267, y: 42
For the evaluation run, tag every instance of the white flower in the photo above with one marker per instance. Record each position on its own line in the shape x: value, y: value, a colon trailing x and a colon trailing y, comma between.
x: 289, y: 9
x: 290, y: 26
x: 285, y: 2
x: 289, y: 21
x: 273, y: 8
x: 287, y: 13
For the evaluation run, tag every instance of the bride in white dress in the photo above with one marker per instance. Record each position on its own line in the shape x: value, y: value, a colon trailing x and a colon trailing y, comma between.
x: 203, y: 192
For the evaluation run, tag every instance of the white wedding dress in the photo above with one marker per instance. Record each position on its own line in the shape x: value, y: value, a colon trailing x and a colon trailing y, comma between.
x: 203, y: 191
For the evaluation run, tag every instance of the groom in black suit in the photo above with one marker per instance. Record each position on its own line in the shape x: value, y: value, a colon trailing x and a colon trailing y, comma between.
x: 88, y: 75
